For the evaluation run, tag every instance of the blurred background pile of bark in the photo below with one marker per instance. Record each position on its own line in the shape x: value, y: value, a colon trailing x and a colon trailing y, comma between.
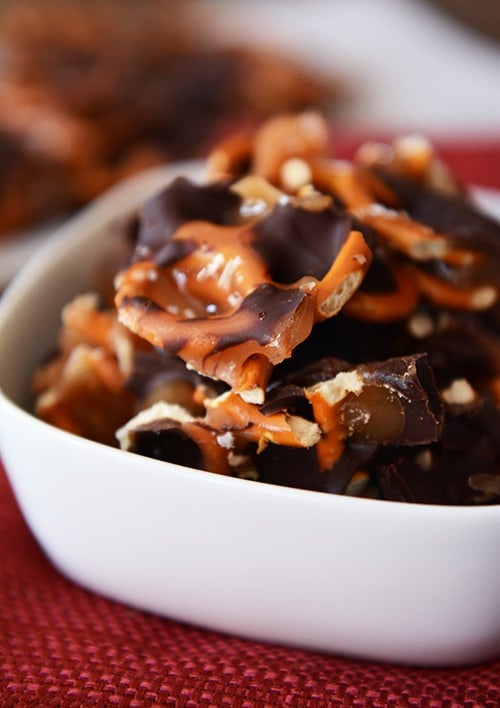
x: 92, y: 91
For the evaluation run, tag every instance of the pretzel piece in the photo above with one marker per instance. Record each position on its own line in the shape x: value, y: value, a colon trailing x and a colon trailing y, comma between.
x: 443, y: 294
x: 390, y: 306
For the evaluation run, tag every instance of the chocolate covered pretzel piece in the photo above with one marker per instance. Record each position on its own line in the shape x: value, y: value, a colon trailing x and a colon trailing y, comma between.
x: 234, y: 299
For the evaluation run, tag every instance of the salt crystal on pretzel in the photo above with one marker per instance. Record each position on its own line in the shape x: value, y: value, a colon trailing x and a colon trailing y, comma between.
x: 238, y: 347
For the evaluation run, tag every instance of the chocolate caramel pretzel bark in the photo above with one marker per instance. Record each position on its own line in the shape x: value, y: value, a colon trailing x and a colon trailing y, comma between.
x: 462, y: 467
x: 234, y: 296
x: 447, y: 450
x: 71, y: 72
x: 220, y: 440
x: 455, y: 248
x: 333, y: 416
x: 438, y: 247
x: 375, y: 430
x: 244, y: 292
x: 358, y: 409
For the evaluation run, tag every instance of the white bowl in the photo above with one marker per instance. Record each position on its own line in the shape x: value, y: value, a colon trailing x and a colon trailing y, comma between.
x: 16, y: 248
x: 379, y: 580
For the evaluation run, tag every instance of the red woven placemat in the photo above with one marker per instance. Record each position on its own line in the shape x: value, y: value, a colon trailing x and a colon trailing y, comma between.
x: 63, y: 646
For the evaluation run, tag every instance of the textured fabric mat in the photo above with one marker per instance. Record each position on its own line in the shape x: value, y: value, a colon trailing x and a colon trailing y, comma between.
x: 63, y: 646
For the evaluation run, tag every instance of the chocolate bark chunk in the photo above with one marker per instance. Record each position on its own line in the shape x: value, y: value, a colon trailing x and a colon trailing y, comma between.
x: 411, y: 379
x: 402, y: 388
x: 299, y: 468
x: 392, y: 404
x: 446, y: 472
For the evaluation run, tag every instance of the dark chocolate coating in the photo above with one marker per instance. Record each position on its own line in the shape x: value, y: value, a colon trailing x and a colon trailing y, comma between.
x: 449, y: 214
x: 408, y: 378
x: 165, y: 440
x: 412, y: 380
x: 470, y: 444
x: 267, y: 306
x: 455, y: 217
x: 299, y: 468
x: 463, y: 347
x: 379, y: 278
x: 294, y: 241
x: 181, y: 201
